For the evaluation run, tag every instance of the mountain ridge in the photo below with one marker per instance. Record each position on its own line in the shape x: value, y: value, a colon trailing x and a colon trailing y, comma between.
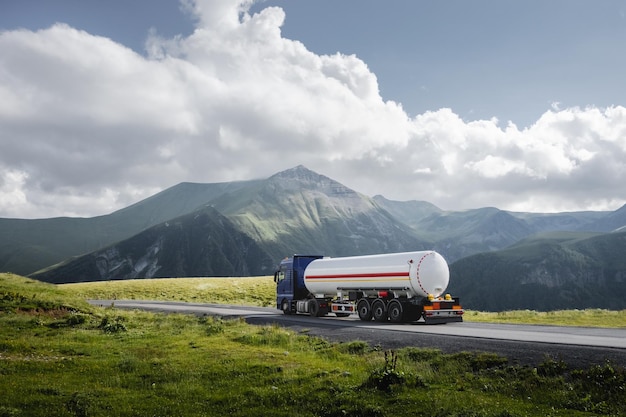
x: 550, y: 272
x: 197, y: 244
x: 301, y: 211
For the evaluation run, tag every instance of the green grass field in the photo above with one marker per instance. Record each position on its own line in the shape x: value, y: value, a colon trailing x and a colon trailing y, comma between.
x: 60, y: 356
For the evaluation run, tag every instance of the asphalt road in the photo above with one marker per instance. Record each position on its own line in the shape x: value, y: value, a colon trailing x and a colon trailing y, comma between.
x: 579, y: 347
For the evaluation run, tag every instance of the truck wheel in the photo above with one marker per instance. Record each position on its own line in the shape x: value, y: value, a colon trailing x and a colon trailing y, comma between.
x: 314, y: 308
x: 286, y: 307
x: 411, y: 313
x: 364, y: 309
x: 379, y: 310
x: 394, y: 311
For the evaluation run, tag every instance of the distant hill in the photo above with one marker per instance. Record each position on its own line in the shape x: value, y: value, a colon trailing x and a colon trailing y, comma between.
x: 615, y: 221
x: 29, y: 245
x: 546, y: 272
x: 457, y: 234
x: 571, y: 221
x: 408, y: 212
x: 200, y: 244
x: 460, y: 234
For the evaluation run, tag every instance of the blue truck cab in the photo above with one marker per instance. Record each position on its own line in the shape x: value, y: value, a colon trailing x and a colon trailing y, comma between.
x: 289, y: 278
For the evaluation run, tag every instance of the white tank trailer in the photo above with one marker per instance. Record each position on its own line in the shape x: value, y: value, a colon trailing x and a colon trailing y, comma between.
x: 399, y: 287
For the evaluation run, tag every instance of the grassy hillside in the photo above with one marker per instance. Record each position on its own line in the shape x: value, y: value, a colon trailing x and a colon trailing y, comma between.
x: 254, y: 291
x: 19, y: 293
x: 60, y: 357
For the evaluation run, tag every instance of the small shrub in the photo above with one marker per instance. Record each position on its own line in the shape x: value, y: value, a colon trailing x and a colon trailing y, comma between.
x: 214, y: 325
x: 550, y: 367
x: 318, y: 344
x: 604, y: 387
x: 386, y: 377
x: 74, y: 319
x: 78, y: 405
x: 418, y: 382
x: 109, y: 325
x: 356, y: 347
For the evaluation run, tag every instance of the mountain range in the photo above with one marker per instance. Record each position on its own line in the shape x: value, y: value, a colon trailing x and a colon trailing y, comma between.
x: 498, y: 259
x: 549, y: 271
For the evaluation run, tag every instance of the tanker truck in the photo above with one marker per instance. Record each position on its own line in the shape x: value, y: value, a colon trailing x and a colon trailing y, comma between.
x: 397, y: 287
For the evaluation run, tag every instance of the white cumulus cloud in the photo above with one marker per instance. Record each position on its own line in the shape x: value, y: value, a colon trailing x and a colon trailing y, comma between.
x: 88, y: 126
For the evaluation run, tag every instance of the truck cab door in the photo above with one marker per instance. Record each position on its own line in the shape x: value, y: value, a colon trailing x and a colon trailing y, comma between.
x: 284, y: 284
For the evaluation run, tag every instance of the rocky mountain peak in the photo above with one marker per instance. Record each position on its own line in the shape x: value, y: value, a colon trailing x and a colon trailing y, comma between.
x: 302, y: 178
x: 300, y: 175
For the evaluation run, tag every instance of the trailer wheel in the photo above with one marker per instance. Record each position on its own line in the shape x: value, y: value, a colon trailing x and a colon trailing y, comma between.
x: 314, y: 308
x: 364, y: 309
x: 394, y: 311
x: 411, y: 313
x: 379, y: 310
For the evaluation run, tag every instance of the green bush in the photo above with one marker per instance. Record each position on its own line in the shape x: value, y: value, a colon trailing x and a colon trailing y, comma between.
x: 550, y: 367
x: 214, y: 325
x: 385, y: 378
x: 71, y: 320
x: 115, y: 325
x: 78, y: 405
x: 603, y: 388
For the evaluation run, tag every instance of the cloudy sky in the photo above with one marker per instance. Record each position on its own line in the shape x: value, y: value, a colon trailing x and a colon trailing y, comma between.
x: 519, y: 105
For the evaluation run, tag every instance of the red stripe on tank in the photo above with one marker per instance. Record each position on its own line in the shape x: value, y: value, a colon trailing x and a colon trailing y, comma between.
x: 371, y: 275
